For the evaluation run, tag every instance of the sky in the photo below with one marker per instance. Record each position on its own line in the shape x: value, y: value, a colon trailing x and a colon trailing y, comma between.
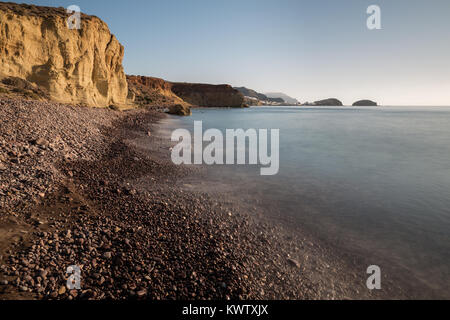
x: 310, y: 50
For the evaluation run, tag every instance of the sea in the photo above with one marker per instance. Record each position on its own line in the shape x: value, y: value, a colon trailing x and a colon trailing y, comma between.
x: 374, y: 181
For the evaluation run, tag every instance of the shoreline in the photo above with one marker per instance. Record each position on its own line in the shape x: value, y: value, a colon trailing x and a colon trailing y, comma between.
x: 119, y: 211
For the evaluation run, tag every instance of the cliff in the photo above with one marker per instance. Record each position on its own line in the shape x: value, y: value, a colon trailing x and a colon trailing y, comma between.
x: 208, y: 95
x: 71, y: 66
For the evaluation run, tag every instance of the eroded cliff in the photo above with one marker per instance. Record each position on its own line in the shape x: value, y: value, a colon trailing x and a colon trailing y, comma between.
x: 72, y: 66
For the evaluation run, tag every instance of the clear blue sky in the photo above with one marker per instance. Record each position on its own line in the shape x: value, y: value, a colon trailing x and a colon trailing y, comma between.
x: 308, y: 49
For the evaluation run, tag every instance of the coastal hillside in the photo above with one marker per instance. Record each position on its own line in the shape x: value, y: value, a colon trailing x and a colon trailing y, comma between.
x: 156, y: 92
x: 283, y: 96
x: 151, y: 92
x: 71, y: 66
x: 250, y: 93
x: 254, y: 98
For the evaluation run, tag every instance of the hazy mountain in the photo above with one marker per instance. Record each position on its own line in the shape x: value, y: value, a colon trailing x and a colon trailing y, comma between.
x: 283, y: 96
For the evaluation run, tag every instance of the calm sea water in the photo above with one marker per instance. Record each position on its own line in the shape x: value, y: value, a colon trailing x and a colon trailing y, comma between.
x: 372, y: 180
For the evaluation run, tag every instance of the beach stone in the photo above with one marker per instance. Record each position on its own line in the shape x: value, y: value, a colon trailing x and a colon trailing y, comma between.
x: 294, y: 263
x: 62, y: 290
x: 39, y: 142
x: 141, y: 293
x: 43, y: 274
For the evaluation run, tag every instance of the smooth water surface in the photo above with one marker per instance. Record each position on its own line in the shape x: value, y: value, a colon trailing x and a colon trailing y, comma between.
x: 374, y: 180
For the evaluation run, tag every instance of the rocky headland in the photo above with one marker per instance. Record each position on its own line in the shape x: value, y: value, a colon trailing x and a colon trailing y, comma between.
x: 155, y: 92
x: 208, y: 95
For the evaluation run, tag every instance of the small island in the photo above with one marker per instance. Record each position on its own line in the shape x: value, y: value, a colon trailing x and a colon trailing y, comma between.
x: 365, y: 103
x: 331, y: 102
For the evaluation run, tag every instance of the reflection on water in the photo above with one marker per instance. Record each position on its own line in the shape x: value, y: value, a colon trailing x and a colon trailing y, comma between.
x: 375, y: 180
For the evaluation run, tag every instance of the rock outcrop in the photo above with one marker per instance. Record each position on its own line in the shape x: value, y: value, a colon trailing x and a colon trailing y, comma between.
x: 13, y: 87
x: 180, y: 110
x: 365, y: 103
x: 208, y: 95
x: 72, y: 66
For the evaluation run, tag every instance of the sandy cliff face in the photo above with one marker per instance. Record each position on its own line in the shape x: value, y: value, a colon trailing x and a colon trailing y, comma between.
x: 73, y: 66
x: 207, y: 95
